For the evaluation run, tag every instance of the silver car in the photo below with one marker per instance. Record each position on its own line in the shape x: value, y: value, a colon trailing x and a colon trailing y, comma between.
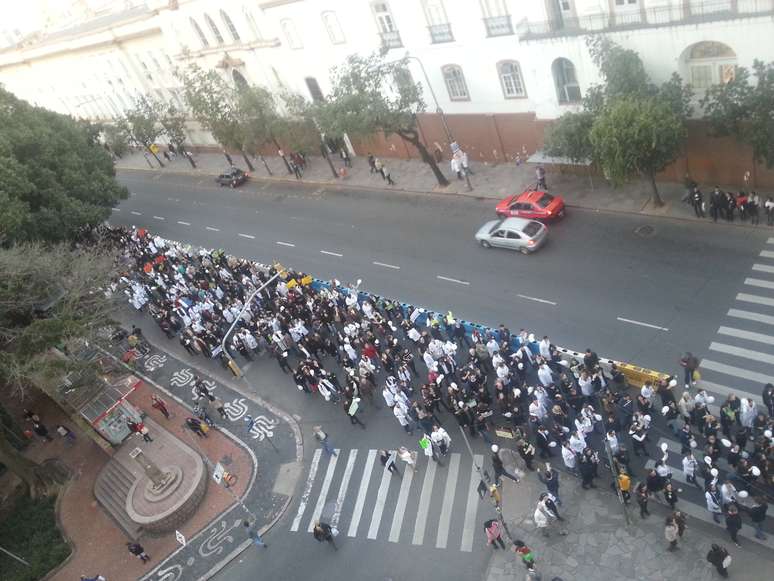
x: 514, y: 233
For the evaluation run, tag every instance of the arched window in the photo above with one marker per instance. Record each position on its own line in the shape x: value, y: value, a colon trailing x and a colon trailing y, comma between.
x: 214, y: 29
x: 251, y: 23
x: 511, y: 79
x: 710, y: 63
x: 567, y: 88
x: 455, y: 83
x: 289, y: 29
x: 199, y: 33
x: 332, y: 26
x: 230, y: 25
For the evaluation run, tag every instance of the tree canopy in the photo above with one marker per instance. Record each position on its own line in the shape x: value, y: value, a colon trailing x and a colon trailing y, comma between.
x: 744, y: 107
x: 55, y: 177
x: 173, y: 120
x: 142, y: 124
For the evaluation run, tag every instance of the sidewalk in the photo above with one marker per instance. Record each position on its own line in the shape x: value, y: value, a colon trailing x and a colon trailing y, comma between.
x: 489, y: 182
x: 601, y: 546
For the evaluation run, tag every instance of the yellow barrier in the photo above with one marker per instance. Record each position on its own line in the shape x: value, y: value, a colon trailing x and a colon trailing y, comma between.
x: 637, y: 376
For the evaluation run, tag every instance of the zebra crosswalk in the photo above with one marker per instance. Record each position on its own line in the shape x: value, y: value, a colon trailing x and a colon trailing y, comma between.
x: 436, y: 505
x: 741, y: 356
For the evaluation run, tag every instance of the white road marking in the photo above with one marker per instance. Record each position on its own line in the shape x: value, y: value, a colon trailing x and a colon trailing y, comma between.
x: 424, y: 505
x: 183, y: 223
x: 307, y: 489
x: 136, y: 213
x: 741, y: 352
x: 328, y: 252
x: 759, y: 283
x: 250, y: 236
x: 770, y: 241
x: 343, y: 487
x: 471, y: 508
x: 766, y: 254
x: 537, y: 300
x: 116, y: 209
x: 755, y: 299
x: 736, y: 372
x: 326, y: 485
x: 640, y: 323
x: 212, y: 229
x: 750, y: 316
x: 749, y: 335
x: 763, y: 268
x: 381, y: 499
x: 442, y: 538
x: 452, y: 280
x: 724, y: 391
x: 361, y: 494
x: 159, y: 218
x: 400, y: 508
x: 286, y: 244
x: 386, y: 265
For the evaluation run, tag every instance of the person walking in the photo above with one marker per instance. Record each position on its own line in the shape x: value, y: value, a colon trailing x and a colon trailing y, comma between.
x: 408, y: 457
x: 387, y: 458
x: 733, y: 523
x: 499, y: 467
x: 197, y: 426
x: 670, y: 495
x: 525, y: 553
x: 324, y: 440
x: 494, y: 533
x: 323, y: 532
x: 351, y: 406
x: 712, y: 497
x: 138, y: 551
x: 758, y: 516
x: 690, y: 364
x: 254, y: 535
x: 160, y: 404
x: 41, y: 431
x: 697, y: 201
x: 387, y: 175
x: 689, y: 469
x: 550, y: 478
x: 642, y: 499
x: 720, y: 558
x: 671, y: 533
x: 139, y: 428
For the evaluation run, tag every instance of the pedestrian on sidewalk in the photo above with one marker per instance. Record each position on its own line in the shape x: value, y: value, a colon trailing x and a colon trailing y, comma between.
x: 670, y: 495
x: 499, y: 467
x: 494, y: 533
x: 95, y: 578
x: 523, y: 551
x: 138, y: 551
x: 378, y: 166
x: 388, y: 176
x: 345, y: 157
x: 719, y: 557
x: 540, y: 174
x: 550, y: 478
x: 254, y: 535
x: 758, y: 516
x: 671, y: 533
x: 681, y: 521
x: 642, y: 499
x: 371, y: 163
x: 351, y: 406
x: 712, y: 497
x: 197, y: 426
x: 323, y: 532
x: 733, y: 523
x: 625, y: 485
x: 768, y: 206
x: 67, y: 434
x: 690, y: 364
x: 139, y: 428
x: 409, y: 457
x: 387, y: 458
x: 697, y: 200
x: 324, y: 440
x: 689, y: 469
x: 220, y: 407
x: 160, y: 404
x: 41, y: 431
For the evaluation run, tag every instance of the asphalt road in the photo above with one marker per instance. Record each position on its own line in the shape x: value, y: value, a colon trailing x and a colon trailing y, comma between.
x: 594, y: 271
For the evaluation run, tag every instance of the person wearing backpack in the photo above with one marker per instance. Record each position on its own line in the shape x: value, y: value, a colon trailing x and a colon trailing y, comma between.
x: 720, y: 558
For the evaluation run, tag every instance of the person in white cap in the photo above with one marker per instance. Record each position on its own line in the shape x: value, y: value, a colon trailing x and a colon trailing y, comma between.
x: 499, y: 467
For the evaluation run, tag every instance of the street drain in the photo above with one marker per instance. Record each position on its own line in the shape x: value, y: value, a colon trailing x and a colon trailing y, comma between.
x: 645, y: 231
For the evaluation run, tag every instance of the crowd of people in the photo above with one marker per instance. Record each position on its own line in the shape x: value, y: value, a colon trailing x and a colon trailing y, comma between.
x: 726, y: 205
x: 355, y: 350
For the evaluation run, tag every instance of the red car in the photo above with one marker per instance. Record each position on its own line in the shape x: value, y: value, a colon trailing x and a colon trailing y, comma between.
x: 533, y: 205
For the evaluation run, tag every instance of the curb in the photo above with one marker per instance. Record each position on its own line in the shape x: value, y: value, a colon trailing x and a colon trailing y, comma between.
x: 60, y: 526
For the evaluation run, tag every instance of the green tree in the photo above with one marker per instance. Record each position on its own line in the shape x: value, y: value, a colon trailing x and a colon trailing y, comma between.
x: 55, y: 176
x: 49, y: 295
x: 213, y: 104
x: 637, y: 136
x: 371, y: 95
x: 256, y: 109
x: 116, y: 139
x: 299, y: 129
x: 570, y: 137
x: 173, y: 121
x: 744, y: 108
x: 141, y: 122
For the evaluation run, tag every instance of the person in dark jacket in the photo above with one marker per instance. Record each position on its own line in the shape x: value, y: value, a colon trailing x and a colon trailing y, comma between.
x: 758, y: 516
x: 768, y: 398
x: 717, y: 556
x: 550, y: 478
x: 733, y: 523
x: 138, y: 551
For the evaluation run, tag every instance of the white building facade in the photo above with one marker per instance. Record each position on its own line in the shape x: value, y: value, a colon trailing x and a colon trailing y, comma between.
x: 483, y: 58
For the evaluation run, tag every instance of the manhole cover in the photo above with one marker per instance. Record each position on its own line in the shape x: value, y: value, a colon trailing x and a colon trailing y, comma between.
x: 645, y: 231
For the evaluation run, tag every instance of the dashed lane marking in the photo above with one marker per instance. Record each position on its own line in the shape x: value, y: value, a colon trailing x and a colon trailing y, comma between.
x: 250, y: 236
x: 641, y: 324
x: 159, y: 218
x: 286, y: 244
x: 456, y: 280
x: 183, y: 223
x: 136, y: 213
x: 329, y: 253
x: 537, y: 300
x: 385, y: 265
x: 213, y: 229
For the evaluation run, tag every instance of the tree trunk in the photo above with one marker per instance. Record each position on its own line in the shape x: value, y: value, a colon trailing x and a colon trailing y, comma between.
x: 247, y: 160
x: 154, y: 155
x: 266, y: 165
x: 277, y: 145
x: 656, y: 197
x: 190, y: 159
x: 413, y: 138
x: 40, y: 479
x: 326, y: 154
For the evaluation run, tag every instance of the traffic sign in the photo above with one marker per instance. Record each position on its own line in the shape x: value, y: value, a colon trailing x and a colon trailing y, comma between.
x: 180, y: 538
x: 217, y: 474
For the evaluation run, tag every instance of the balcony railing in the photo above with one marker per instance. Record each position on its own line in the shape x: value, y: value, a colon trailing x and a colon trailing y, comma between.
x: 498, y: 25
x: 690, y: 12
x: 391, y: 39
x: 440, y: 33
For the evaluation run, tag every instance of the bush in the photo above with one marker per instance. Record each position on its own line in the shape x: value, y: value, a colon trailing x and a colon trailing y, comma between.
x: 30, y: 532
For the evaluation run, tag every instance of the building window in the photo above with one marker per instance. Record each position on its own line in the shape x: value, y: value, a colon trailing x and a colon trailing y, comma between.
x: 567, y: 88
x: 511, y: 79
x: 314, y: 89
x: 625, y: 2
x: 388, y: 31
x: 214, y: 29
x: 437, y: 22
x: 230, y: 26
x: 332, y: 26
x: 202, y: 39
x: 710, y: 63
x: 565, y: 6
x: 289, y: 29
x: 455, y: 83
x: 252, y: 25
x: 497, y: 20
